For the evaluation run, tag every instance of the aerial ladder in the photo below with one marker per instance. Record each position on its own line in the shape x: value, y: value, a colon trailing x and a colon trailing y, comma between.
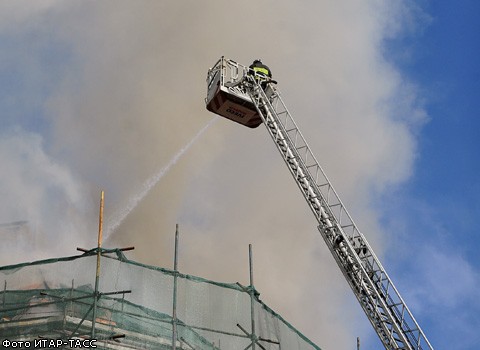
x: 236, y: 93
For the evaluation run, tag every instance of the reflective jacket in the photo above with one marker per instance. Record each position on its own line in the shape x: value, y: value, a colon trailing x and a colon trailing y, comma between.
x: 261, y: 69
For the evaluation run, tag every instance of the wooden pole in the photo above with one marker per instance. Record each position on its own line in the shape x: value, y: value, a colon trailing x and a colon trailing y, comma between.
x: 97, y: 274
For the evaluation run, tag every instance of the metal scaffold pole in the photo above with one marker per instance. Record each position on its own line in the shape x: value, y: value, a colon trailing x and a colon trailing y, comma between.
x: 4, y: 293
x: 252, y: 296
x: 175, y: 273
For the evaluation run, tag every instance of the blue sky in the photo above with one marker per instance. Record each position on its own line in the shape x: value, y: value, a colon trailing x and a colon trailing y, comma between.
x: 439, y: 206
x: 91, y: 99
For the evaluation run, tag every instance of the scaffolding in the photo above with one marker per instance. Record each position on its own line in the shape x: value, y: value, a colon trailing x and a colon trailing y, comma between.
x: 129, y: 305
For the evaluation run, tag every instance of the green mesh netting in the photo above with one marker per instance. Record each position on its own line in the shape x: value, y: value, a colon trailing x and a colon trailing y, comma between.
x: 54, y: 299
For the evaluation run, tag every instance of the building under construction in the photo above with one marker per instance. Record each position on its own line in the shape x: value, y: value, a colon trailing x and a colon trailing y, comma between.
x: 64, y: 303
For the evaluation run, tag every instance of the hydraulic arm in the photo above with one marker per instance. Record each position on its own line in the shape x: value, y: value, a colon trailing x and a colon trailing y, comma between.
x: 375, y: 291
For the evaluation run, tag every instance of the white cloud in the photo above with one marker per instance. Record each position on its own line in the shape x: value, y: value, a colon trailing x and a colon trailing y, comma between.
x: 445, y: 287
x: 448, y: 280
x: 36, y: 189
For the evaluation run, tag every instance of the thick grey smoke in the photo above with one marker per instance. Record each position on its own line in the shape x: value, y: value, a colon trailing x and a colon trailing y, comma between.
x: 125, y: 94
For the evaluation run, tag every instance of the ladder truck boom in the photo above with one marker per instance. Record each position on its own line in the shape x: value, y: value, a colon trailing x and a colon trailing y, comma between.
x: 235, y: 93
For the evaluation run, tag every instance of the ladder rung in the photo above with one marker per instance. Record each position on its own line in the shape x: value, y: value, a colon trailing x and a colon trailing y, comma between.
x: 301, y: 147
x: 411, y: 330
x: 396, y: 304
x: 345, y: 226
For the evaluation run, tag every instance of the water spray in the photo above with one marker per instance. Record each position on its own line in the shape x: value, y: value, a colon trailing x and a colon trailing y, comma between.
x: 118, y: 217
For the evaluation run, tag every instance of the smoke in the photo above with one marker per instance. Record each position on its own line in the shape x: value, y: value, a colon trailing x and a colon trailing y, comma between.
x: 117, y: 219
x: 46, y: 193
x: 124, y: 91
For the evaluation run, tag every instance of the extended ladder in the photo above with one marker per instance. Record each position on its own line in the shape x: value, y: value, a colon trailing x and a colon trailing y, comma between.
x: 383, y: 305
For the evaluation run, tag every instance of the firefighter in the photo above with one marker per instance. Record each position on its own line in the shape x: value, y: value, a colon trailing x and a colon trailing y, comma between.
x: 262, y: 73
x: 259, y: 68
